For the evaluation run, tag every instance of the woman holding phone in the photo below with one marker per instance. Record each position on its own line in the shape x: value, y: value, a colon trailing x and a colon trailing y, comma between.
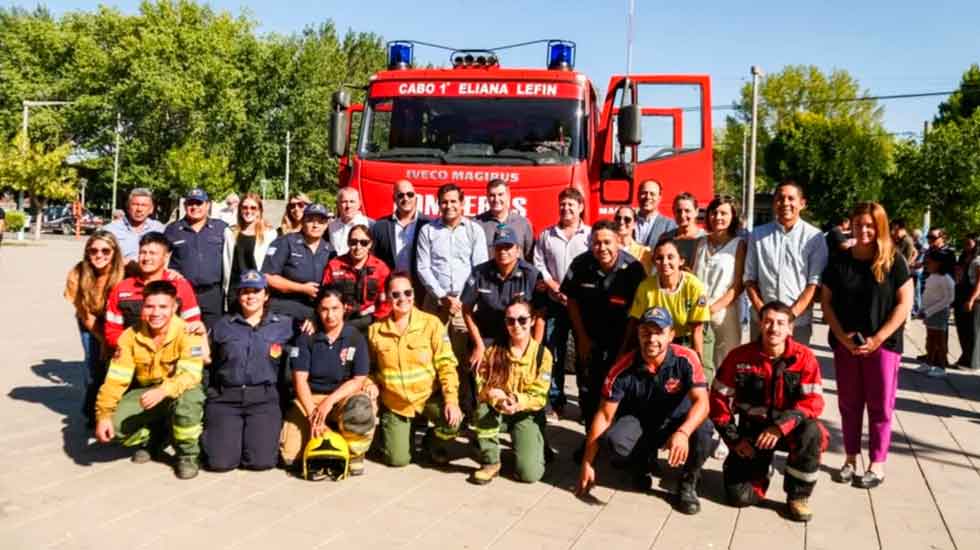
x: 866, y: 297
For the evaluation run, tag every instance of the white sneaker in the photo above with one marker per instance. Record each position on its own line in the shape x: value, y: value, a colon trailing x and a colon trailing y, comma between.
x: 721, y: 451
x: 923, y: 368
x: 936, y: 372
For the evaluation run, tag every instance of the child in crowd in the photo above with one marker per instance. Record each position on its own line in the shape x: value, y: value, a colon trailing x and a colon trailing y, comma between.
x: 934, y: 311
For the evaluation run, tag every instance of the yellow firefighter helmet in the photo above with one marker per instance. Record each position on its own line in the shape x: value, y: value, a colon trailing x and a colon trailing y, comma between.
x: 325, y: 457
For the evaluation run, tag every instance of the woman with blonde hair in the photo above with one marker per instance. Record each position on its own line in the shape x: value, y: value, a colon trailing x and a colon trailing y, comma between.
x: 292, y: 218
x: 87, y: 288
x: 866, y: 296
x: 246, y: 244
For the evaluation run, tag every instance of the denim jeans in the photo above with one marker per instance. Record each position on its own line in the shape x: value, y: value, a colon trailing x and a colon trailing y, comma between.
x: 93, y: 373
x: 556, y: 338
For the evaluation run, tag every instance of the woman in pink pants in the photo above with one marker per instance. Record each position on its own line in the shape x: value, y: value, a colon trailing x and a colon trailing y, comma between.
x: 866, y: 297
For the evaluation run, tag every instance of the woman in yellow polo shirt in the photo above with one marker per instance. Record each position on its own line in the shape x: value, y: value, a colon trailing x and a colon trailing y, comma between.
x: 679, y: 291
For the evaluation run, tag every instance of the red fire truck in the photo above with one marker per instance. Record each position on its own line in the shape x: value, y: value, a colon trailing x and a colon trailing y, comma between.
x: 540, y: 130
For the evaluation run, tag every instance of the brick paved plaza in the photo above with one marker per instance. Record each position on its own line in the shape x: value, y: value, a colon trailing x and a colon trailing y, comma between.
x: 58, y: 490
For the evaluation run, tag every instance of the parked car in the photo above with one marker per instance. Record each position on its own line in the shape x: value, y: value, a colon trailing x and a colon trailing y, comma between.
x: 61, y: 219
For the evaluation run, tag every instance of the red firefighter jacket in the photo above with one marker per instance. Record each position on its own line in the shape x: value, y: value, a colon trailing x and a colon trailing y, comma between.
x: 765, y: 392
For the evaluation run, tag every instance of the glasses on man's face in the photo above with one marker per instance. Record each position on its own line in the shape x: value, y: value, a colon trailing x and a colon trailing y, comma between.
x: 515, y: 321
x: 364, y: 243
x: 397, y: 295
x: 405, y: 195
x: 96, y: 251
x: 300, y: 205
x: 193, y: 203
x: 624, y: 219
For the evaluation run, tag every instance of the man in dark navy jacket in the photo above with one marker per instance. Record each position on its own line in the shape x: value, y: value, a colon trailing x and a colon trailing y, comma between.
x: 396, y: 236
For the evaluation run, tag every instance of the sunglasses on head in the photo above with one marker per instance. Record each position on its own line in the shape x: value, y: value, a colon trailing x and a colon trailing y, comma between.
x: 623, y: 219
x: 359, y: 242
x: 514, y: 321
x: 405, y: 195
x: 397, y: 295
x: 96, y: 251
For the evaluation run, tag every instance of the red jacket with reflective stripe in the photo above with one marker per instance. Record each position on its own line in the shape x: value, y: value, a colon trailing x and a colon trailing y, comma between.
x: 126, y: 300
x: 781, y: 391
x: 363, y: 289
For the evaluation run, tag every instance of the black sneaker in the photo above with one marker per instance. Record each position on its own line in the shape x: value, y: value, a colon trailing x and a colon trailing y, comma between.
x: 687, y: 495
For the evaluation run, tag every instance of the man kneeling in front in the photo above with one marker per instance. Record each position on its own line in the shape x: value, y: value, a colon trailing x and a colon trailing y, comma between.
x: 774, y: 386
x: 154, y: 379
x: 654, y: 398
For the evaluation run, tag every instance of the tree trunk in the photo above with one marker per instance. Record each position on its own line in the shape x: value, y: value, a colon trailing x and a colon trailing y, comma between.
x: 41, y: 203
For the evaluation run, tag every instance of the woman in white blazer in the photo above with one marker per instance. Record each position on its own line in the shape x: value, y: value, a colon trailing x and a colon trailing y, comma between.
x: 246, y: 244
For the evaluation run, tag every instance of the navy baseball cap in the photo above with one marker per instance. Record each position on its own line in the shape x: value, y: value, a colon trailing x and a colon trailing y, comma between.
x: 252, y: 279
x: 504, y: 235
x: 196, y: 194
x: 657, y: 316
x: 315, y: 209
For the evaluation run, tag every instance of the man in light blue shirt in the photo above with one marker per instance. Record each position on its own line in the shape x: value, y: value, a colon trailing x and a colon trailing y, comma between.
x: 784, y: 261
x: 650, y: 223
x: 135, y: 224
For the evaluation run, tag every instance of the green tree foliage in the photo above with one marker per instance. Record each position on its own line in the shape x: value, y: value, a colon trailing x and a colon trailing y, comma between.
x: 837, y: 160
x: 44, y: 174
x: 197, y: 92
x: 964, y: 102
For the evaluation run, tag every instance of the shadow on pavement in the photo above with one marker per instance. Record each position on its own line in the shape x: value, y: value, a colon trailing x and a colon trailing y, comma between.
x: 65, y: 399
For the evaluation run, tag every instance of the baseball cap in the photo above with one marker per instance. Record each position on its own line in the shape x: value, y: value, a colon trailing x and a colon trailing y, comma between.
x: 196, y: 194
x: 504, y: 235
x: 252, y: 279
x: 657, y: 316
x: 315, y: 209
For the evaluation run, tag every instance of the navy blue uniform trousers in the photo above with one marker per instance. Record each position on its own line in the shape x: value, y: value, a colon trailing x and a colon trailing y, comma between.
x: 241, y: 427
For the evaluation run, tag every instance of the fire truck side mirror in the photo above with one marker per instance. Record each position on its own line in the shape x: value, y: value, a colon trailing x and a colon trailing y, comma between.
x: 338, y: 123
x: 628, y: 127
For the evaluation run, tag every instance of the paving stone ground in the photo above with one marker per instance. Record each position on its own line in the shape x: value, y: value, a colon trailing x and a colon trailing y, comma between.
x: 59, y: 490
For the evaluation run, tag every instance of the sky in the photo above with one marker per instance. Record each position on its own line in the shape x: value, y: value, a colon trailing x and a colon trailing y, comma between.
x: 891, y: 47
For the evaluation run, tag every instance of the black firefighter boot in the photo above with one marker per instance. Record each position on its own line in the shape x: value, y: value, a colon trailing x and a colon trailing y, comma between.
x: 687, y: 495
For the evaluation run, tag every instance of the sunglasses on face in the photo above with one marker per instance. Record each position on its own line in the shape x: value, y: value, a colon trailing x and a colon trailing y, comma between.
x: 364, y: 243
x: 624, y: 219
x: 99, y: 251
x: 297, y: 205
x: 396, y: 295
x: 193, y: 203
x: 405, y: 195
x: 514, y: 321
x: 248, y: 208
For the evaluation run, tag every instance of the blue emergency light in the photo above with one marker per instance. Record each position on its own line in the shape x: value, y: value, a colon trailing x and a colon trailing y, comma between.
x: 400, y: 55
x: 561, y: 55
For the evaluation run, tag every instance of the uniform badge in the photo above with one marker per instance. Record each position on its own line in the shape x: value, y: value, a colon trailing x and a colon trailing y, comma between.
x: 271, y: 251
x: 347, y: 354
x: 197, y: 351
x: 275, y: 351
x: 293, y: 352
x: 672, y: 385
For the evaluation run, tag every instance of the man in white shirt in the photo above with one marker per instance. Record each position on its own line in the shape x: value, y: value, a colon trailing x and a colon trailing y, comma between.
x: 784, y: 261
x: 554, y: 251
x: 349, y: 214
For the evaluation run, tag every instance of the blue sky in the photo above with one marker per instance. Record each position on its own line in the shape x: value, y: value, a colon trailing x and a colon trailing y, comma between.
x: 891, y: 47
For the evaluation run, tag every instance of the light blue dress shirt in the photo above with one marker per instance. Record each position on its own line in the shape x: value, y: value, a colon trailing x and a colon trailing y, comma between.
x: 446, y: 256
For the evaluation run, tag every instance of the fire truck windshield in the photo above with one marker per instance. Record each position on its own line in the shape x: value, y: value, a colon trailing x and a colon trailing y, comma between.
x: 478, y: 131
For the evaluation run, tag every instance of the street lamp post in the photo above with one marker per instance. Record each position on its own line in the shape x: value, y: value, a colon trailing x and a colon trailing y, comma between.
x: 750, y: 206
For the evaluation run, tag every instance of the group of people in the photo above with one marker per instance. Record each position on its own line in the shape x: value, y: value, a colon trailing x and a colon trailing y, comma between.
x: 258, y: 343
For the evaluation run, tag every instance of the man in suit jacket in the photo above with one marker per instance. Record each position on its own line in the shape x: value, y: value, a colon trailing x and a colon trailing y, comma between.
x: 650, y: 223
x: 396, y: 237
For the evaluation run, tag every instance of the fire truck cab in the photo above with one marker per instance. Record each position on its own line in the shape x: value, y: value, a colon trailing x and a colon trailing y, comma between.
x: 539, y: 130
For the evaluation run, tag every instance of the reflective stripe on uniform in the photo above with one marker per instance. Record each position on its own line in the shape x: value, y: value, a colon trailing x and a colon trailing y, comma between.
x: 812, y: 388
x: 113, y: 318
x: 121, y: 374
x: 757, y: 411
x: 137, y: 438
x: 487, y: 433
x: 802, y: 476
x: 193, y: 367
x: 444, y: 434
x: 722, y: 389
x: 190, y: 312
x: 188, y: 433
x: 407, y: 376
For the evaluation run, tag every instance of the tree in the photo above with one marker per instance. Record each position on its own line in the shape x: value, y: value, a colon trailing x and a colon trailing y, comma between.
x: 837, y: 160
x: 964, y: 102
x: 27, y: 167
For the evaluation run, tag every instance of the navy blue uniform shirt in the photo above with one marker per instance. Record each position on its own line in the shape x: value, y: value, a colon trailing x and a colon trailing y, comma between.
x: 250, y: 356
x: 289, y: 257
x: 604, y: 299
x: 489, y: 294
x: 653, y: 396
x: 197, y: 254
x: 330, y: 364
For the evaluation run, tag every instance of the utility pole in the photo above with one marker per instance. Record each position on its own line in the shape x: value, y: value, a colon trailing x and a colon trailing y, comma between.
x: 750, y: 206
x: 115, y: 163
x: 289, y: 136
x: 927, y: 217
x: 745, y: 164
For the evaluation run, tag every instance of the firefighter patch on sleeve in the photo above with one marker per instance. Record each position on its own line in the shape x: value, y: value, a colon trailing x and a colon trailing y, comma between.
x: 197, y: 351
x: 275, y: 351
